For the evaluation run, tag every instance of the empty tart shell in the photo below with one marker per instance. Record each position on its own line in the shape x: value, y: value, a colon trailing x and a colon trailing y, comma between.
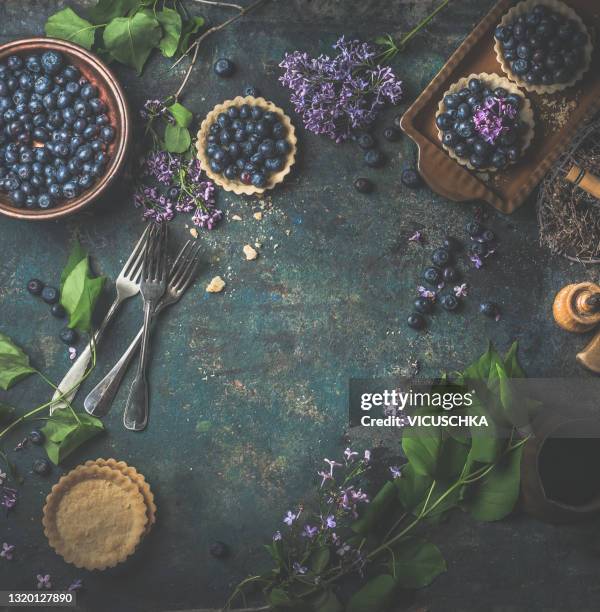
x: 558, y: 7
x: 492, y: 81
x: 139, y: 480
x: 95, y: 517
x: 234, y: 185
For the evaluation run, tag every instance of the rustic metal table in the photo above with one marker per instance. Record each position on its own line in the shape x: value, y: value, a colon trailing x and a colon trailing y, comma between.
x: 249, y: 387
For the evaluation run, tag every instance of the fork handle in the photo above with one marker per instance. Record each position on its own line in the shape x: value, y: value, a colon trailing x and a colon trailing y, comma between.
x: 135, y: 417
x: 69, y: 385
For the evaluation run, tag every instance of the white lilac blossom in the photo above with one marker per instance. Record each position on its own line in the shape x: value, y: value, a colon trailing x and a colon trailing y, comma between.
x: 395, y: 471
x: 277, y: 536
x: 332, y: 464
x: 350, y: 454
x: 309, y: 531
x: 289, y: 518
x: 476, y: 261
x: 330, y: 522
x: 43, y: 581
x: 335, y: 95
x: 367, y: 456
x: 72, y: 353
x: 416, y: 237
x: 21, y: 445
x: 325, y: 476
x: 299, y: 569
x: 7, y: 551
x: 76, y: 585
x: 426, y: 293
x: 461, y: 290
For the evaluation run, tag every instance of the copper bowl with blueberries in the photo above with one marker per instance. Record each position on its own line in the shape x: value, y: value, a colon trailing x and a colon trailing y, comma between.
x: 64, y: 128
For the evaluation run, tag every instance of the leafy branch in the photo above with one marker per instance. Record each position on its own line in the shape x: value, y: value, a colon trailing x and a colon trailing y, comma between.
x: 377, y: 541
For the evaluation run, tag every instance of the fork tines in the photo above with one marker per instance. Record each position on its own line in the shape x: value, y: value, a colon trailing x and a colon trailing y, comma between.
x: 185, y: 265
x: 155, y: 258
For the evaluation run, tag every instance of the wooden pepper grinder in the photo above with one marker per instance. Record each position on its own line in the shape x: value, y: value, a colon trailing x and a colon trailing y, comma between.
x: 576, y: 308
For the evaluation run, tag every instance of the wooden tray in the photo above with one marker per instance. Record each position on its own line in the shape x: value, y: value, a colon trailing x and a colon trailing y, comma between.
x: 557, y: 117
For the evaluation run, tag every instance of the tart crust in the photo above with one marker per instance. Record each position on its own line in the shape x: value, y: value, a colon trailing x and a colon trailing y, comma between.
x: 95, y: 517
x: 237, y: 186
x: 493, y: 81
x: 558, y: 7
x: 139, y: 480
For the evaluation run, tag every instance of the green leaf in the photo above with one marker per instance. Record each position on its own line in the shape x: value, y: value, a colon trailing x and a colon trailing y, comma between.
x: 417, y: 563
x: 14, y: 363
x: 170, y: 20
x: 79, y: 292
x: 278, y: 597
x: 486, y: 444
x: 65, y: 431
x: 190, y: 28
x: 377, y: 509
x: 326, y: 602
x: 131, y: 39
x: 68, y: 25
x: 183, y: 117
x: 76, y: 255
x: 422, y: 449
x: 412, y: 488
x: 495, y: 495
x: 6, y: 412
x: 177, y: 139
x: 203, y: 426
x: 376, y: 595
x: 106, y: 10
x: 452, y: 458
x: 319, y: 559
x: 511, y: 363
x: 480, y: 370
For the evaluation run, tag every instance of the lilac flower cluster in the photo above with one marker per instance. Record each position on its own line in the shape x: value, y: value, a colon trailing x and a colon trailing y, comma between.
x: 495, y: 117
x: 153, y: 109
x: 335, y: 95
x: 8, y: 497
x: 175, y: 184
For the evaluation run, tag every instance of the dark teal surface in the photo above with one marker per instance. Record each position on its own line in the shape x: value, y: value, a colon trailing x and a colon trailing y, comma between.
x: 249, y: 386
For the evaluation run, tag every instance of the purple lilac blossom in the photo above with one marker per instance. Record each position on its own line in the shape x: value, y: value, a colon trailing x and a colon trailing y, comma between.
x: 395, y: 471
x: 43, y: 582
x: 8, y: 498
x: 299, y: 569
x: 7, y: 551
x: 277, y: 536
x: 76, y: 585
x: 495, y: 117
x: 335, y: 95
x: 309, y: 531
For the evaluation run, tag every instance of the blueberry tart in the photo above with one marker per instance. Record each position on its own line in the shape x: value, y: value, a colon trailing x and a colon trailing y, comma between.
x: 247, y: 145
x: 484, y: 122
x: 543, y: 45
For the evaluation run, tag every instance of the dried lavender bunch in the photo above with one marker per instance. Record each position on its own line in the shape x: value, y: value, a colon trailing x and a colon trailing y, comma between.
x: 335, y: 95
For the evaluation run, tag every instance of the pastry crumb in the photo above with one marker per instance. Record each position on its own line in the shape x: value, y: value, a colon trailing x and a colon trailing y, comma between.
x: 236, y: 218
x: 216, y: 285
x: 250, y: 253
x: 194, y: 232
x: 258, y: 216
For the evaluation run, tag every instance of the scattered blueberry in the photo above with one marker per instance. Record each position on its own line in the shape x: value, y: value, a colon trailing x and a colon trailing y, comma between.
x: 35, y: 286
x: 50, y: 295
x: 224, y: 67
x: 391, y: 133
x: 489, y: 309
x: 250, y: 90
x: 488, y: 236
x: 374, y: 158
x: 411, y: 178
x: 36, y: 437
x: 478, y: 248
x: 365, y: 141
x: 57, y: 310
x: 423, y: 305
x: 449, y: 302
x: 416, y: 321
x: 218, y: 550
x: 432, y: 276
x: 68, y: 336
x: 450, y: 274
x: 473, y: 228
x: 42, y: 467
x: 440, y: 257
x: 451, y: 244
x: 363, y: 185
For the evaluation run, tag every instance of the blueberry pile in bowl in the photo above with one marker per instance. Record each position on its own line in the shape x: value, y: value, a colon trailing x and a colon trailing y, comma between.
x: 543, y: 46
x: 484, y: 122
x: 247, y: 145
x: 54, y: 130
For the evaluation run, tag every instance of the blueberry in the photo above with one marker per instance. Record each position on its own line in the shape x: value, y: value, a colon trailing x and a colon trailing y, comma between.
x: 239, y: 135
x: 71, y: 73
x: 44, y: 201
x: 88, y: 91
x: 478, y: 248
x: 70, y: 190
x: 61, y: 149
x: 231, y: 172
x: 499, y: 160
x: 489, y: 309
x: 35, y: 286
x: 33, y: 64
x: 474, y: 85
x: 274, y: 164
x: 488, y: 236
x: 432, y: 275
x: 245, y: 111
x: 259, y: 179
x: 416, y: 321
x: 444, y: 121
x: 14, y: 62
x: 252, y: 91
x: 42, y: 467
x: 282, y: 146
x: 449, y: 302
x: 90, y: 132
x: 520, y: 66
x: 72, y: 88
x: 215, y: 166
x: 102, y: 119
x: 257, y: 159
x: 224, y: 67
x: 452, y: 101
x: 365, y: 141
x: 410, y: 177
x: 246, y: 177
x: 450, y: 274
x: 218, y: 550
x: 80, y: 108
x: 85, y: 153
x: 234, y: 150
x: 373, y: 158
x: 107, y: 133
x: 256, y: 113
x: 262, y: 128
x: 51, y: 62
x: 85, y: 180
x: 363, y: 185
x: 36, y: 437
x: 440, y: 257
x: 30, y: 202
x: 279, y: 131
x: 97, y: 105
x: 223, y: 120
x: 423, y: 305
x: 50, y: 295
x: 450, y: 139
x: 473, y: 228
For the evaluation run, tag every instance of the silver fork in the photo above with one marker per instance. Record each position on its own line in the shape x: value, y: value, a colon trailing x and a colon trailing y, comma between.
x: 152, y: 288
x: 127, y: 285
x: 183, y: 271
